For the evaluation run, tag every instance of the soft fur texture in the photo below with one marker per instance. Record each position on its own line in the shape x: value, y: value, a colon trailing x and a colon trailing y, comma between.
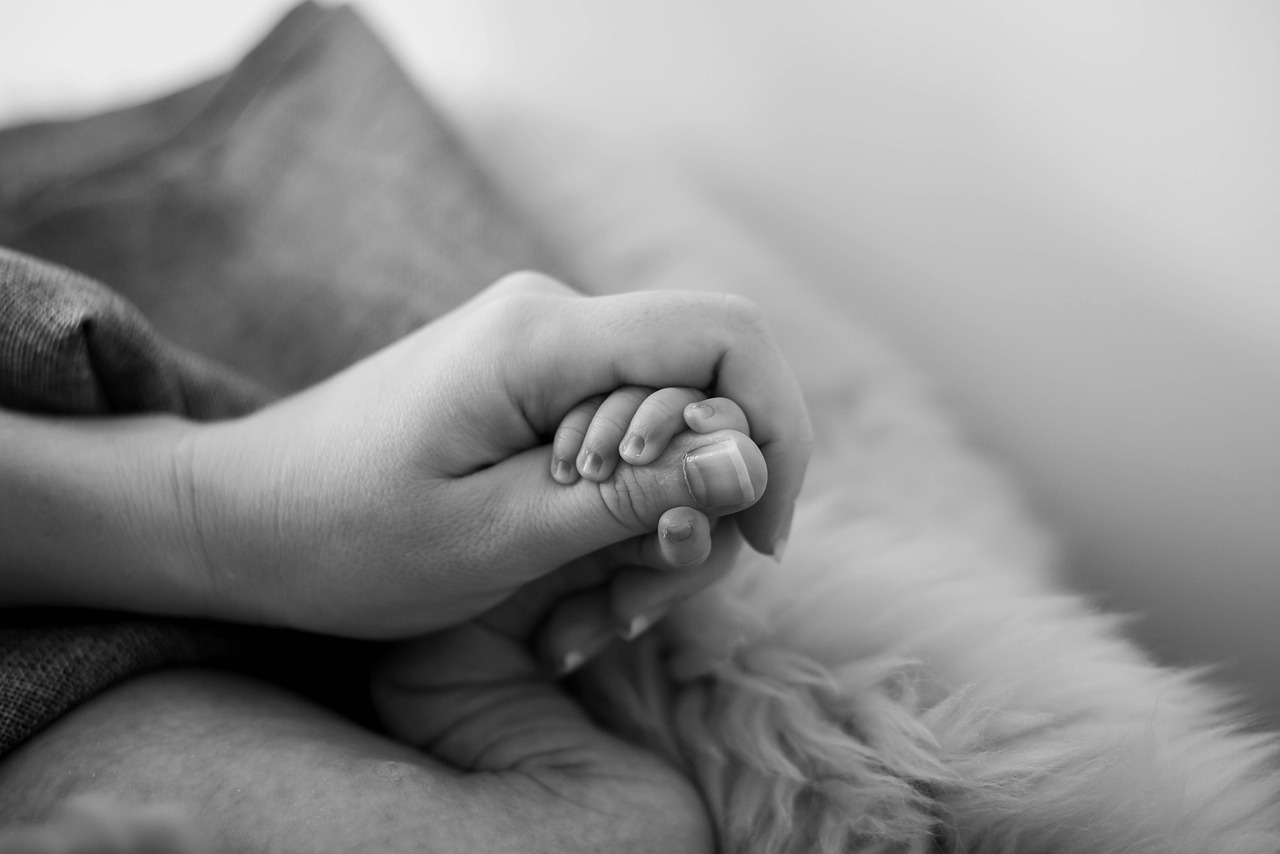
x: 911, y: 677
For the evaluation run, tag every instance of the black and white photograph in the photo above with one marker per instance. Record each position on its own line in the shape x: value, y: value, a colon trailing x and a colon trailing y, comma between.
x: 653, y: 427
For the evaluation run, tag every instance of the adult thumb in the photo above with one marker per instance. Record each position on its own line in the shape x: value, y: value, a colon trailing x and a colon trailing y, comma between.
x: 547, y: 524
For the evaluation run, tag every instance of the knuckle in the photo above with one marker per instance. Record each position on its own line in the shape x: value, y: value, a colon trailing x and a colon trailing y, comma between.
x: 517, y: 296
x: 513, y: 319
x: 526, y: 282
x: 743, y: 312
x: 505, y: 306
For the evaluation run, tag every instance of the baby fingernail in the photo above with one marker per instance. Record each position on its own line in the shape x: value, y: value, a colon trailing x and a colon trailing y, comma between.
x: 562, y: 471
x: 699, y: 410
x: 678, y: 533
x: 717, y: 475
x: 633, y: 446
x: 591, y: 464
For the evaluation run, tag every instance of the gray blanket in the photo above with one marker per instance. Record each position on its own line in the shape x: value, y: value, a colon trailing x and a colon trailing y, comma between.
x: 206, y: 252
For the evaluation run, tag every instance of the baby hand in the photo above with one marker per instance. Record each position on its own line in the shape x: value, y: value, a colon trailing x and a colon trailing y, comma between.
x: 597, y: 439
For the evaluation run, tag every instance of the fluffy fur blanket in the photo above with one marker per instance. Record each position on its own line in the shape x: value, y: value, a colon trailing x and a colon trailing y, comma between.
x: 911, y: 677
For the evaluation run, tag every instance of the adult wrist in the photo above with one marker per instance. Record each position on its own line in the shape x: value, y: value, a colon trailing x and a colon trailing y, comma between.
x: 234, y: 520
x: 94, y: 516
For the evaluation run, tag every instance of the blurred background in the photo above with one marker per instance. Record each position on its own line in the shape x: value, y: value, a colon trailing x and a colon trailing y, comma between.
x: 1068, y: 214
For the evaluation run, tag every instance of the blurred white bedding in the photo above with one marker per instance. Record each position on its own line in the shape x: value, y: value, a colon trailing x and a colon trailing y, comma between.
x: 1069, y: 217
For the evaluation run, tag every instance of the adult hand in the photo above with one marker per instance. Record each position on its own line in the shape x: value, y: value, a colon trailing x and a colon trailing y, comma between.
x: 412, y: 491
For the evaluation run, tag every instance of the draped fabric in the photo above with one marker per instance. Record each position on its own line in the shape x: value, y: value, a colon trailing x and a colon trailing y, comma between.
x: 202, y: 254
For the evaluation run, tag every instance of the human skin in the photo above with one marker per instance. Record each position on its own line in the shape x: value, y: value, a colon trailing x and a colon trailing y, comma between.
x: 445, y: 439
x: 257, y: 769
x: 482, y: 751
x: 367, y: 505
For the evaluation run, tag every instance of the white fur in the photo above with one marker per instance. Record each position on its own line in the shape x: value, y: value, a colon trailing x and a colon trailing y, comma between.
x: 911, y: 678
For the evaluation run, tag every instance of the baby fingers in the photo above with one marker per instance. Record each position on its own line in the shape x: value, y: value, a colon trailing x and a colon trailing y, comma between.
x: 655, y: 421
x: 568, y: 439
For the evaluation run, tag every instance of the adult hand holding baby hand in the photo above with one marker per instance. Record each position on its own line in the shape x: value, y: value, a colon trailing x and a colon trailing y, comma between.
x: 411, y: 491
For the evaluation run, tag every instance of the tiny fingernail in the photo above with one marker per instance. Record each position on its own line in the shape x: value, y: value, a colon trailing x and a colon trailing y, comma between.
x: 678, y: 533
x: 562, y: 471
x: 591, y: 464
x: 699, y: 410
x: 717, y: 475
x: 633, y: 446
x: 571, y: 661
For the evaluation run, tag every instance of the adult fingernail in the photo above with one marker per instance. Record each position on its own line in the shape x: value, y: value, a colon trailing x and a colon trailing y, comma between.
x: 784, y: 533
x: 717, y: 475
x: 640, y: 624
x: 591, y: 464
x: 633, y: 446
x: 570, y: 662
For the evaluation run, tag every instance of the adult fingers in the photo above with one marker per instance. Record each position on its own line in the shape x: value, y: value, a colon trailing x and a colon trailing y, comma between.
x: 626, y: 606
x: 640, y: 597
x: 521, y: 613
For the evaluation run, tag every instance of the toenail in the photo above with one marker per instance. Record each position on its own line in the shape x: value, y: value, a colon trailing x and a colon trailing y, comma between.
x: 717, y: 475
